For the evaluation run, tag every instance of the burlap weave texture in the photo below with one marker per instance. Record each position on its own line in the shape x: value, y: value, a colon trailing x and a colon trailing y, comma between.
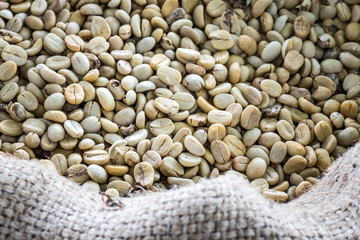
x: 35, y: 204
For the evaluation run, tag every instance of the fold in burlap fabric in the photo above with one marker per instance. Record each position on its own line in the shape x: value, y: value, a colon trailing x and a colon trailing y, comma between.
x: 36, y: 204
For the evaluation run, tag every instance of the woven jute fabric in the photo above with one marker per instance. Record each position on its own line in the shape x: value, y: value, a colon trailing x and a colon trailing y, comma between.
x: 36, y: 204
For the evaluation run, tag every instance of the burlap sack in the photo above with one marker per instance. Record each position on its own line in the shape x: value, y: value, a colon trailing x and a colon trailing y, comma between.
x: 35, y: 204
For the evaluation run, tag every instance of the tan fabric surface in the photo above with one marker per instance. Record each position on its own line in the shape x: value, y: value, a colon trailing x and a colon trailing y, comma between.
x: 35, y: 204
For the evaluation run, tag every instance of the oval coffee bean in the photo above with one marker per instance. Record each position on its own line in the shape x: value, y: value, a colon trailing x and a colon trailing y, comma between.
x: 194, y: 146
x: 256, y: 168
x: 220, y: 151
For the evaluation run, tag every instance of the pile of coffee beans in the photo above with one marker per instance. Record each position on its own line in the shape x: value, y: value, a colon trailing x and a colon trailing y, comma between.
x: 126, y: 96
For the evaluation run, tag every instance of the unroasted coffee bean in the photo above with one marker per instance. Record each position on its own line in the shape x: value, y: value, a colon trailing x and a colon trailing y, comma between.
x: 116, y: 170
x: 275, y: 195
x: 285, y: 130
x: 256, y: 168
x: 240, y: 163
x: 295, y: 164
x: 28, y: 100
x: 7, y: 70
x: 53, y: 43
x: 302, y: 27
x: 347, y: 136
x: 295, y: 148
x: 58, y: 62
x: 221, y: 40
x: 278, y: 152
x: 60, y: 163
x: 74, y: 94
x: 323, y: 159
x: 272, y: 88
x: 189, y: 160
x: 236, y: 147
x: 250, y: 117
x: 131, y: 158
x: 56, y: 132
x: 51, y: 76
x: 80, y: 63
x: 144, y: 174
x: 218, y: 116
x: 99, y: 27
x: 188, y: 54
x: 180, y: 181
x: 194, y: 146
x: 293, y: 60
x: 9, y: 91
x: 97, y: 173
x: 153, y: 158
x: 260, y: 184
x: 162, y: 144
x: 322, y: 130
x: 170, y: 167
x: 15, y: 54
x: 77, y: 173
x: 10, y: 127
x: 271, y: 51
x: 215, y: 8
x: 99, y: 157
x: 247, y: 44
x: 106, y: 99
x: 121, y: 187
x: 302, y: 134
x: 302, y: 188
x: 252, y: 95
x: 74, y: 43
x: 220, y: 151
x: 166, y: 106
x: 73, y: 128
x: 169, y: 75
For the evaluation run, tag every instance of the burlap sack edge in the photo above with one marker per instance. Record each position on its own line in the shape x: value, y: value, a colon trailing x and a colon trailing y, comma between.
x: 36, y: 204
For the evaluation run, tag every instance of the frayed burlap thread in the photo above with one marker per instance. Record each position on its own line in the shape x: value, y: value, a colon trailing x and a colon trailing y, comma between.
x: 36, y: 204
